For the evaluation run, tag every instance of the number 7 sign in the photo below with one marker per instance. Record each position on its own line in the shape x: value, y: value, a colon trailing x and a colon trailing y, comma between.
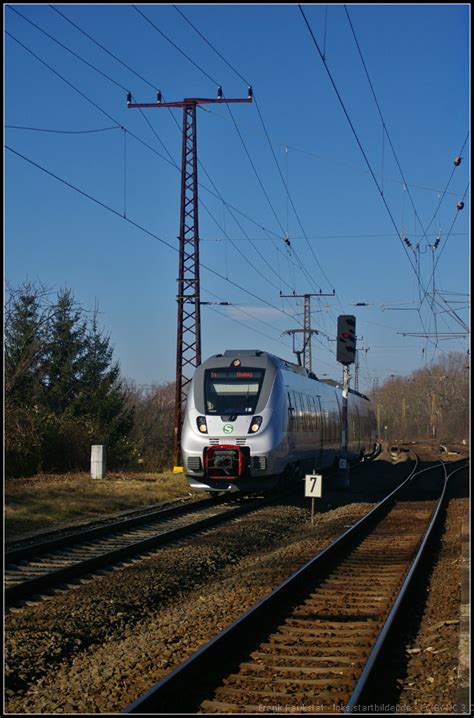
x: 313, y: 486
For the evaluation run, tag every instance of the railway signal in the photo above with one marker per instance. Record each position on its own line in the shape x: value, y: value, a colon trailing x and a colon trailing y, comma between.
x: 345, y: 354
x: 346, y: 339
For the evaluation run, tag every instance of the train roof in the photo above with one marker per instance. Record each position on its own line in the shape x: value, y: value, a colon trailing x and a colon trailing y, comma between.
x: 278, y: 361
x: 338, y: 385
x: 284, y: 364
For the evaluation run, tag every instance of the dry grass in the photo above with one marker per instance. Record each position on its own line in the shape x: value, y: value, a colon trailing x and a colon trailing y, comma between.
x: 47, y: 501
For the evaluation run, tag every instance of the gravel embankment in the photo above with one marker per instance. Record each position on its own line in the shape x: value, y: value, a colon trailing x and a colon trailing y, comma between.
x: 99, y: 646
x: 429, y: 671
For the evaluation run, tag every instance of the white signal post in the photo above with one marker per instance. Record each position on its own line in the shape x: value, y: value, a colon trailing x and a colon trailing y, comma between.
x: 313, y: 488
x: 343, y: 461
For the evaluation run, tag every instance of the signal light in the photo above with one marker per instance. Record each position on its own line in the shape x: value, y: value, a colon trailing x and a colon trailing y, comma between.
x: 346, y: 339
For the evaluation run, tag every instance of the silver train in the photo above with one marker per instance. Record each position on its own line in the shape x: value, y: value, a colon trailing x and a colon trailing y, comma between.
x: 253, y: 421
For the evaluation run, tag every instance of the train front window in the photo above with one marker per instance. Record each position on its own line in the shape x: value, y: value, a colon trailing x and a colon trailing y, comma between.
x: 232, y: 391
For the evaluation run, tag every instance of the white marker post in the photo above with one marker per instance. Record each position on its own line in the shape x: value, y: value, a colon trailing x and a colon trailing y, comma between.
x: 313, y: 488
x: 98, y: 461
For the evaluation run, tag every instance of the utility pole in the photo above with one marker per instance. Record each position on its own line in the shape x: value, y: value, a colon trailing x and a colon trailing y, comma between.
x: 433, y: 415
x: 188, y: 345
x: 403, y: 419
x: 307, y: 331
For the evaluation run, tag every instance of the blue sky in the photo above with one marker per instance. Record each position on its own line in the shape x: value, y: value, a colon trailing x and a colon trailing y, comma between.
x: 344, y: 237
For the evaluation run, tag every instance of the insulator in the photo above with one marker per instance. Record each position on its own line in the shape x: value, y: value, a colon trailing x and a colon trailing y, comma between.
x: 250, y: 93
x: 158, y: 96
x: 460, y: 205
x: 457, y: 161
x: 129, y: 98
x: 219, y: 93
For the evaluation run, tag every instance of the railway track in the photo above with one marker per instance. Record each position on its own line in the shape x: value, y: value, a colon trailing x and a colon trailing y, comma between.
x: 36, y: 569
x: 311, y: 644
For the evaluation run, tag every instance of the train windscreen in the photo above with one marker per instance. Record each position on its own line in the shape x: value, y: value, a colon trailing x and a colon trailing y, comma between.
x: 232, y: 391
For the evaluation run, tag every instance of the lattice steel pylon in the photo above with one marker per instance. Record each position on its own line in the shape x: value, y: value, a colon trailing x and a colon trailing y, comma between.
x: 188, y: 345
x: 188, y: 341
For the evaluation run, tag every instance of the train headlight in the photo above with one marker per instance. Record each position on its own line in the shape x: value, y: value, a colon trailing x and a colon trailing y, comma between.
x: 255, y: 424
x: 201, y: 424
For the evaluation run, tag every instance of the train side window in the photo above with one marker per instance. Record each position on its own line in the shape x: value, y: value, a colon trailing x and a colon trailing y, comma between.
x: 309, y: 404
x: 299, y: 418
x: 304, y: 407
x: 300, y: 411
x: 307, y: 414
x: 312, y: 404
x: 316, y: 414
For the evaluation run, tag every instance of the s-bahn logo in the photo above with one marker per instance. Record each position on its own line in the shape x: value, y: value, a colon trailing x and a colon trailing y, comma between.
x: 228, y: 429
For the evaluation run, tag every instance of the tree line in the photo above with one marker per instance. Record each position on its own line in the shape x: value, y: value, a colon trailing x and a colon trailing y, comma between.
x: 429, y: 404
x: 64, y: 391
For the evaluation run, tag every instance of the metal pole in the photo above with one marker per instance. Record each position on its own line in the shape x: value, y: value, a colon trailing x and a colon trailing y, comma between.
x: 343, y: 461
x: 307, y: 331
x: 188, y: 345
x: 188, y: 349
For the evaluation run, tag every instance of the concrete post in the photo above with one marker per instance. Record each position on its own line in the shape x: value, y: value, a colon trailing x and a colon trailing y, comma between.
x: 97, y: 461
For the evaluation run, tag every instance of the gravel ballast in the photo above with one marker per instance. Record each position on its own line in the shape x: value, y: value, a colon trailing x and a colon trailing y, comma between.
x: 98, y: 647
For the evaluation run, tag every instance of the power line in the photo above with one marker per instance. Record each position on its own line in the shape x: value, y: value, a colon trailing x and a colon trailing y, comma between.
x: 351, y: 125
x: 214, y: 81
x: 358, y: 170
x: 388, y: 134
x: 211, y: 45
x: 172, y: 162
x: 143, y: 229
x: 62, y: 132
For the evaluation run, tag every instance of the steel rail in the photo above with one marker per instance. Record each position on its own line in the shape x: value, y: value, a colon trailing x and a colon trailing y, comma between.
x: 160, y: 697
x: 394, y: 611
x: 52, y: 579
x: 87, y: 534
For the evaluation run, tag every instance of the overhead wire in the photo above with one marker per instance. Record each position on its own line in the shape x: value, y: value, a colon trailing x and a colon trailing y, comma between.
x: 267, y: 136
x: 135, y: 224
x: 143, y: 229
x: 173, y: 163
x: 214, y: 81
x: 351, y: 125
x: 424, y: 230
